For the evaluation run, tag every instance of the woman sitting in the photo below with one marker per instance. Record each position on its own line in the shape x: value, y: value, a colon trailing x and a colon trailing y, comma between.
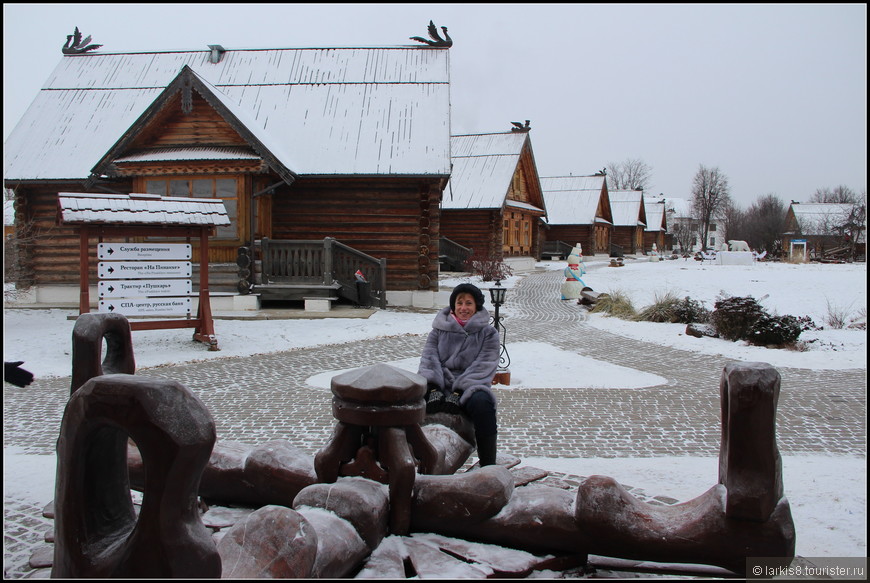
x: 459, y: 361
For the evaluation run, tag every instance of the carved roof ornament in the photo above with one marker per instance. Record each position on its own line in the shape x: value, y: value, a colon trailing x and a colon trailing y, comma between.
x: 76, y: 46
x: 518, y: 127
x: 436, y: 40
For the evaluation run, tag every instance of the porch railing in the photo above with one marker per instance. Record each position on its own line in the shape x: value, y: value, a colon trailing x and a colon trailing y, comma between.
x: 452, y: 254
x: 327, y: 264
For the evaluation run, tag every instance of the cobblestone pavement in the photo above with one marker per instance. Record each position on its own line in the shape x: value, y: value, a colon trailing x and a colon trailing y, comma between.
x: 255, y: 399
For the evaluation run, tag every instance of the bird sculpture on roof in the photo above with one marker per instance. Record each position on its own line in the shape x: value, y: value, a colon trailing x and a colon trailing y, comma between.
x: 518, y: 127
x: 436, y: 41
x: 602, y: 172
x: 76, y: 46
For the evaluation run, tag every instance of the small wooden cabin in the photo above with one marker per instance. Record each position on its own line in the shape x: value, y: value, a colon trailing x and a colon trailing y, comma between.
x: 299, y: 144
x: 578, y: 211
x: 656, y: 225
x: 493, y: 203
x: 820, y: 230
x: 629, y: 219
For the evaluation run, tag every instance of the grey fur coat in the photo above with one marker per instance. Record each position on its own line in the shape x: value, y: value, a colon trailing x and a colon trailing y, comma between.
x: 461, y: 359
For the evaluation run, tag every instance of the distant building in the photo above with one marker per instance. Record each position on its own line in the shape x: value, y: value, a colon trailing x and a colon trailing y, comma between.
x: 817, y: 230
x: 493, y: 203
x: 578, y: 211
x: 629, y: 219
x: 656, y: 230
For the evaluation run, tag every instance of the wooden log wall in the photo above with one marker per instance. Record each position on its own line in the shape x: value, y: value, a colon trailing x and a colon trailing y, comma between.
x: 593, y: 239
x: 625, y: 238
x: 396, y: 219
x: 51, y: 252
x: 480, y: 230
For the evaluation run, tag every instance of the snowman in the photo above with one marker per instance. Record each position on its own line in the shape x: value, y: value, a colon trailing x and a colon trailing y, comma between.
x: 573, y: 285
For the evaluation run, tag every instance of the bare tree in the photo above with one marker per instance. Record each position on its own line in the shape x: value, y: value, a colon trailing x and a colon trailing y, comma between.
x: 733, y: 222
x: 710, y: 194
x: 632, y: 174
x: 765, y: 224
x: 840, y: 194
x: 685, y: 232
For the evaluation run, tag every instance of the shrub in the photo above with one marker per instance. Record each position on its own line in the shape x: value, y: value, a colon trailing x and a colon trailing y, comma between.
x: 662, y: 310
x: 689, y: 311
x: 734, y: 317
x: 774, y: 330
x: 837, y: 316
x: 488, y: 268
x: 616, y: 304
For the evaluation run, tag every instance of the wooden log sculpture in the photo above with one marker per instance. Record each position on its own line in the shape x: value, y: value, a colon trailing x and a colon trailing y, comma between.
x: 378, y: 436
x: 744, y: 515
x: 97, y: 533
x: 89, y: 332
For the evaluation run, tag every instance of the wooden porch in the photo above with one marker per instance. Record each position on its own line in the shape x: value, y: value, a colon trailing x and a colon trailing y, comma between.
x: 300, y: 270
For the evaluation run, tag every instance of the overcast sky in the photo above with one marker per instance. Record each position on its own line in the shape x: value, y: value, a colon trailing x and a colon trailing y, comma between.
x: 775, y: 96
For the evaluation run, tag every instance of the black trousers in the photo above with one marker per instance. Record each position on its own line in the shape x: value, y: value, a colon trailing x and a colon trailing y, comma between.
x: 480, y: 407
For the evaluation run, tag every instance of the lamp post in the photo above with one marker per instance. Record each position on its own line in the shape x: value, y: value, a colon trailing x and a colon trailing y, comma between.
x: 503, y: 375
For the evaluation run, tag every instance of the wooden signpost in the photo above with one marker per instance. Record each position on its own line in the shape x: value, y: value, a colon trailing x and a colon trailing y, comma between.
x: 146, y: 279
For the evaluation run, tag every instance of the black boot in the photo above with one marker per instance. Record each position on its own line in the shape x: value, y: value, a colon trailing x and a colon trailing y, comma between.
x: 486, y: 449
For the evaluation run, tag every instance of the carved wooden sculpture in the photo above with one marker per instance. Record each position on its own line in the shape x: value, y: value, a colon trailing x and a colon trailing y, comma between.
x: 744, y: 515
x: 89, y: 332
x: 379, y: 410
x: 97, y: 533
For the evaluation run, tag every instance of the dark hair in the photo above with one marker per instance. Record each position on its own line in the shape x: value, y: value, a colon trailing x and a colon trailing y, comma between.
x: 467, y: 288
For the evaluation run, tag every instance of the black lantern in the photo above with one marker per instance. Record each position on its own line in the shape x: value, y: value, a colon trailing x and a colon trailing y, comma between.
x: 498, y: 294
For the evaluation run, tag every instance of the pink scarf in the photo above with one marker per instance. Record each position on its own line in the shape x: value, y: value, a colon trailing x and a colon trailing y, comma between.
x: 461, y: 322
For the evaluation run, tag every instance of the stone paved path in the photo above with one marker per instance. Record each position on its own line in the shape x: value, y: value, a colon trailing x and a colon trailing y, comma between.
x: 255, y: 399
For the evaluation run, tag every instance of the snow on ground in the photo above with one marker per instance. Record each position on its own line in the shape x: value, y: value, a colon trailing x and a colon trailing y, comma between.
x: 827, y: 493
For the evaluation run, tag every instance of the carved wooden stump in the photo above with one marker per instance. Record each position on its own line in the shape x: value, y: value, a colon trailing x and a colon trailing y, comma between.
x: 378, y: 436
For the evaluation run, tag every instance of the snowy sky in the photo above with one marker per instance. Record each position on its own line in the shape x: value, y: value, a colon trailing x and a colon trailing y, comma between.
x: 773, y: 95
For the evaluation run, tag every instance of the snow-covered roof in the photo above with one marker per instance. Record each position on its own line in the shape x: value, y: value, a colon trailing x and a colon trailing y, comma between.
x: 655, y: 214
x: 341, y: 111
x: 682, y: 208
x: 572, y: 200
x: 627, y: 208
x: 140, y: 209
x: 820, y: 218
x: 483, y: 166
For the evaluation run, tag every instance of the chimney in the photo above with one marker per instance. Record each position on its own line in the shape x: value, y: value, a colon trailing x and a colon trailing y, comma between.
x: 217, y: 53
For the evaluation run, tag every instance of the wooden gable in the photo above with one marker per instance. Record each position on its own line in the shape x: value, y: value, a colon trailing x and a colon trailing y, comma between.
x: 189, y: 113
x: 525, y: 184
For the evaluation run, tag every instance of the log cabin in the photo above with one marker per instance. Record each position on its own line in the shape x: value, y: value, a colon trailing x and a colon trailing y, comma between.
x: 493, y: 204
x: 350, y: 145
x: 824, y: 231
x: 578, y: 211
x: 656, y: 229
x: 629, y: 219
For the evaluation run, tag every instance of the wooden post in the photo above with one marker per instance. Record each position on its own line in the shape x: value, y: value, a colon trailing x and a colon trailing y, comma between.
x: 328, y: 252
x: 84, y: 284
x: 205, y: 328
